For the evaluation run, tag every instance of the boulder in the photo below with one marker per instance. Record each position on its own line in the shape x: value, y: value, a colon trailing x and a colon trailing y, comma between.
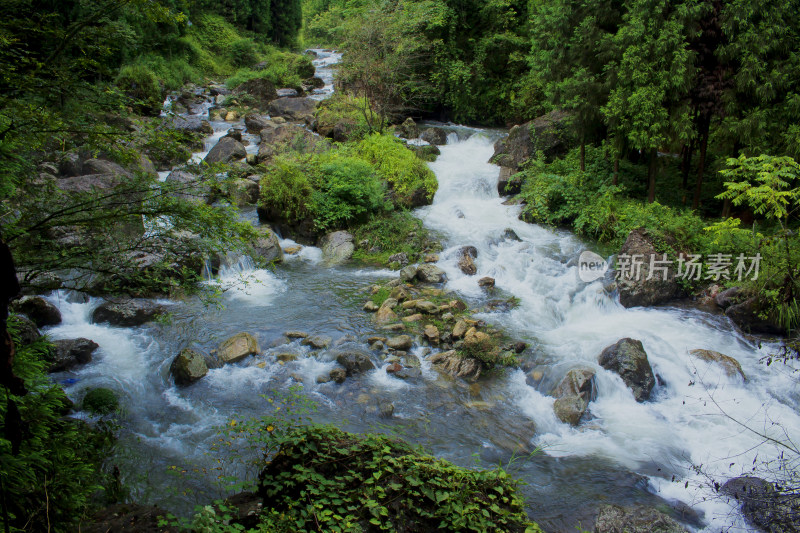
x: 456, y: 365
x: 408, y: 129
x: 68, y: 353
x: 188, y: 367
x: 728, y: 297
x: 637, y: 519
x: 354, y: 362
x: 385, y: 315
x: 187, y: 124
x: 635, y: 289
x: 730, y: 365
x: 237, y: 348
x: 39, y: 310
x: 126, y: 312
x: 337, y: 247
x: 261, y: 89
x: 509, y: 183
x: 226, y: 150
x: 435, y: 136
x: 370, y: 307
x: 548, y: 133
x: 294, y: 109
x: 287, y: 93
x: 267, y: 245
x: 628, y: 359
x: 188, y: 186
x: 255, y: 122
x: 486, y: 282
x: 763, y: 505
x: 408, y: 373
x: 401, y: 342
x: 428, y: 273
x: 399, y: 258
x: 26, y: 330
x: 431, y: 334
x: 317, y: 342
x: 573, y: 395
x: 460, y: 329
x: 466, y: 260
x: 749, y: 316
x: 242, y: 192
x: 408, y: 273
x: 338, y: 375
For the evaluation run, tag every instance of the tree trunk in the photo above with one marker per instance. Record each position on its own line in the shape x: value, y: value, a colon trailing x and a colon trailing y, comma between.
x: 686, y: 164
x: 651, y: 173
x: 705, y: 122
x: 583, y: 154
x: 615, y: 179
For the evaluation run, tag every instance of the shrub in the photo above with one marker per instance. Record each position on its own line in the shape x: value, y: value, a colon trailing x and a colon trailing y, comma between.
x: 398, y: 165
x: 140, y: 84
x: 100, y: 401
x: 243, y: 52
x: 341, y: 117
x: 396, y: 232
x: 285, y: 189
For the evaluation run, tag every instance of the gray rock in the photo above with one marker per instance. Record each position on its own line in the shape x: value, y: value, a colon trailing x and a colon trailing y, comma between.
x: 287, y: 93
x: 548, y: 133
x: 728, y: 297
x: 237, y: 348
x: 749, y: 316
x: 68, y: 353
x: 454, y: 364
x: 634, y: 287
x: 486, y: 282
x: 189, y: 124
x: 337, y: 247
x: 188, y: 367
x: 413, y: 372
x: 763, y: 505
x: 400, y: 258
x: 408, y: 129
x: 126, y: 312
x: 26, y: 330
x: 573, y: 395
x: 408, y: 273
x: 628, y: 359
x: 255, y: 122
x: 435, y: 136
x: 466, y: 260
x: 188, y: 186
x: 243, y: 192
x: 226, y: 150
x: 267, y: 246
x: 401, y: 342
x: 294, y: 109
x: 317, y: 342
x: 338, y: 375
x: 509, y: 183
x: 429, y: 273
x: 354, y: 362
x: 638, y: 519
x: 261, y: 89
x: 39, y: 310
x: 386, y: 409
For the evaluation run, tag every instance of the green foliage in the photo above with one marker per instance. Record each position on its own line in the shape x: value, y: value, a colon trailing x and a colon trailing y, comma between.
x: 344, y: 117
x: 405, y: 173
x: 381, y: 296
x: 50, y: 465
x: 243, y: 52
x: 100, y: 401
x: 335, y: 481
x: 397, y: 232
x: 140, y: 84
x: 286, y: 189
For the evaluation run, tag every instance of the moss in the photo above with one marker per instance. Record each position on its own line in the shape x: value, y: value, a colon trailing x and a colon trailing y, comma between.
x: 397, y: 232
x: 100, y: 401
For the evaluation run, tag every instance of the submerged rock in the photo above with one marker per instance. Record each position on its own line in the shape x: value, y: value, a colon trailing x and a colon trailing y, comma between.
x: 39, y: 310
x: 638, y: 519
x: 486, y: 282
x: 237, y: 348
x: 68, y: 353
x: 338, y: 375
x: 628, y: 359
x: 126, y: 313
x: 730, y: 365
x: 317, y: 342
x: 188, y: 367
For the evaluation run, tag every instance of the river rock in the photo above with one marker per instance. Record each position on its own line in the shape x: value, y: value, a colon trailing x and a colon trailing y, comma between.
x: 427, y: 307
x: 429, y: 273
x: 188, y: 367
x: 354, y: 362
x: 460, y: 329
x: 466, y: 260
x: 337, y: 247
x: 573, y: 395
x: 187, y: 124
x: 385, y: 315
x: 27, y: 331
x: 435, y: 136
x: 127, y: 312
x: 431, y: 334
x: 68, y: 353
x: 243, y: 192
x: 294, y: 334
x: 728, y: 297
x: 261, y: 89
x: 730, y: 365
x: 416, y: 317
x: 399, y: 258
x: 408, y: 273
x: 547, y: 133
x: 454, y: 364
x: 237, y: 348
x: 764, y: 506
x: 408, y: 129
x: 749, y: 316
x: 287, y: 93
x: 226, y: 150
x: 39, y: 310
x: 408, y: 373
x: 188, y: 186
x: 338, y: 375
x: 255, y: 122
x: 628, y: 359
x: 267, y: 245
x: 634, y: 287
x: 317, y: 342
x: 401, y: 342
x: 370, y: 307
x: 390, y: 303
x: 638, y: 519
x: 486, y: 282
x: 509, y: 183
x: 294, y: 109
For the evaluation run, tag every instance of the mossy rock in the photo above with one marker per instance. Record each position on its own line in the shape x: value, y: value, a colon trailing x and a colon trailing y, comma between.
x: 100, y: 401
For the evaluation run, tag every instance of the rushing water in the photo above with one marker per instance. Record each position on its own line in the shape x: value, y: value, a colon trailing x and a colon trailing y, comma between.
x: 626, y: 452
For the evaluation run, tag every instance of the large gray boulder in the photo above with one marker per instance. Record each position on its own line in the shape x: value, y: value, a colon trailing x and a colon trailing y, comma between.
x: 187, y: 124
x: 294, y: 109
x: 126, y: 312
x: 637, y: 519
x: 435, y: 136
x: 337, y: 247
x: 429, y: 273
x: 548, y: 133
x: 188, y: 367
x: 635, y: 289
x: 186, y: 185
x: 628, y: 359
x: 255, y: 122
x: 573, y: 395
x: 267, y: 245
x: 68, y: 353
x: 242, y: 192
x: 763, y: 505
x: 39, y: 310
x: 354, y: 362
x: 237, y: 348
x: 226, y: 150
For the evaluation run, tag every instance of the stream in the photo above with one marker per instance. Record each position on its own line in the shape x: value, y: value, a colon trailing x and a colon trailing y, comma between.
x: 623, y: 452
